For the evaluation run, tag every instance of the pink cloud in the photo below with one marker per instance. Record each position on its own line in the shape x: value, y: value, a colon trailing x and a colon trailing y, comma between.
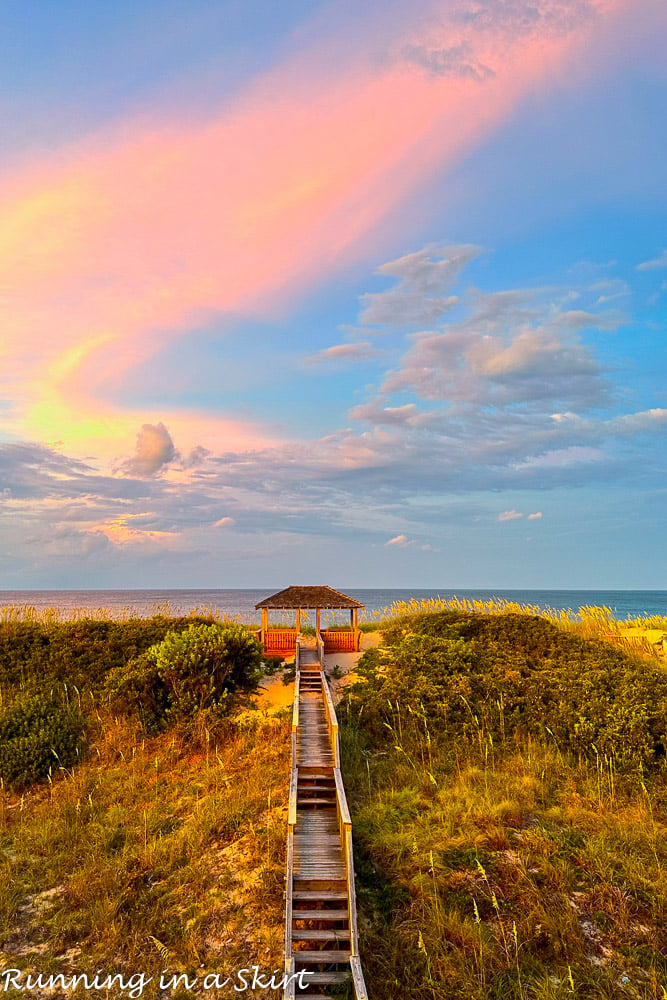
x: 398, y: 541
x: 120, y: 242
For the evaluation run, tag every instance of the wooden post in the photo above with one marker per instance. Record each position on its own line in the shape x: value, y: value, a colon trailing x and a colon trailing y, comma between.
x: 265, y: 625
x: 298, y: 620
x: 351, y: 617
x: 317, y: 621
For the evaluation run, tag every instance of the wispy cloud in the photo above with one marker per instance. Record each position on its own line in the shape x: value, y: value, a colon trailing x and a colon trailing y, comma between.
x: 399, y: 541
x: 360, y: 351
x: 419, y: 298
x: 657, y: 264
x: 510, y: 515
x: 128, y: 239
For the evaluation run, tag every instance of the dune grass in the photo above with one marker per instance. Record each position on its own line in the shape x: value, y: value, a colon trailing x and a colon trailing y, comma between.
x: 499, y: 865
x: 160, y: 853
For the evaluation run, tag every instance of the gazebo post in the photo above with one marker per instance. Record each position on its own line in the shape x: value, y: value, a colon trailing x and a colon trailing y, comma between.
x: 317, y: 621
x: 298, y: 620
x: 265, y: 626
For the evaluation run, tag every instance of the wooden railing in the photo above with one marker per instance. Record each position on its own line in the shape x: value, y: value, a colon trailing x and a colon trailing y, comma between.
x: 280, y: 640
x: 332, y: 721
x: 290, y: 988
x: 341, y: 641
x: 345, y: 828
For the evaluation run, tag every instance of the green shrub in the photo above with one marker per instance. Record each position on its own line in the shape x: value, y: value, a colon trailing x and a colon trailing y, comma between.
x: 272, y: 663
x: 198, y: 668
x: 137, y: 686
x: 456, y: 674
x: 80, y: 652
x: 36, y: 737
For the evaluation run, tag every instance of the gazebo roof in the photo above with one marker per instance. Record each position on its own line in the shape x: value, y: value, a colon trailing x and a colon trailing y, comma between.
x: 309, y: 597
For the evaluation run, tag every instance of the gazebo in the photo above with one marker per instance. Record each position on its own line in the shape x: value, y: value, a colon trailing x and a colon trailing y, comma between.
x: 283, y: 640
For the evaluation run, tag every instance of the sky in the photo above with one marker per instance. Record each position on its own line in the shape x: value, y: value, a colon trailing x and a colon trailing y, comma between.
x: 300, y: 293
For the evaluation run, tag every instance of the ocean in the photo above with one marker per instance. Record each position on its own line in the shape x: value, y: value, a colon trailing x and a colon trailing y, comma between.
x: 240, y: 604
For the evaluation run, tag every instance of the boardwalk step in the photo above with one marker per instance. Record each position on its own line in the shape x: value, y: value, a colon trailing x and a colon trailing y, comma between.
x: 324, y: 957
x: 328, y: 884
x: 305, y: 802
x: 327, y: 978
x: 319, y: 895
x: 318, y: 934
x: 320, y: 914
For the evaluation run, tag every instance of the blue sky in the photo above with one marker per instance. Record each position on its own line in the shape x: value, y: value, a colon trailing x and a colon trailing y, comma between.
x: 294, y: 294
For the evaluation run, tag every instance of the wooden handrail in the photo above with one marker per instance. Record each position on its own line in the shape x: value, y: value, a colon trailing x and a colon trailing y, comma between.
x: 345, y: 830
x: 342, y: 801
x: 290, y: 988
x: 291, y: 808
x: 345, y: 827
x: 332, y: 721
x: 358, y: 978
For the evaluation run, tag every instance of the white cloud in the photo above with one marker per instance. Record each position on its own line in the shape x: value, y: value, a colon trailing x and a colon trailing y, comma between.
x: 453, y: 60
x: 561, y: 458
x: 360, y: 351
x: 399, y: 541
x: 375, y: 413
x: 536, y: 516
x: 420, y: 298
x: 654, y: 265
x: 510, y: 348
x: 633, y: 423
x: 224, y: 522
x: 510, y: 515
x: 154, y: 450
x: 400, y: 309
x: 525, y: 17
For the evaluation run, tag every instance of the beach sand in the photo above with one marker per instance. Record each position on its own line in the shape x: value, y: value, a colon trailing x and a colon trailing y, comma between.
x: 274, y: 696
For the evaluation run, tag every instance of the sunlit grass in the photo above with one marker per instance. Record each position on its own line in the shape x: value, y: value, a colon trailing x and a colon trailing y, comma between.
x: 510, y: 871
x: 154, y: 853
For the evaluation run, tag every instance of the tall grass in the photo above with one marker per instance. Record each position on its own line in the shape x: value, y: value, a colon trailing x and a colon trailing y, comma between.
x: 588, y: 621
x: 155, y: 853
x: 497, y: 864
x: 509, y: 872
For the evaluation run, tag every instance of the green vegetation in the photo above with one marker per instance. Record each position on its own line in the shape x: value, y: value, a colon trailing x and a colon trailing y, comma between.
x: 464, y: 675
x: 509, y: 800
x: 159, y: 842
x: 37, y: 736
x: 506, y: 774
x: 163, y: 852
x: 37, y: 654
x: 198, y: 668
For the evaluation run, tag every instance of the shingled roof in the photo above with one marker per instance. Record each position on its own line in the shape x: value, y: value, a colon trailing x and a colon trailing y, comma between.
x: 309, y: 597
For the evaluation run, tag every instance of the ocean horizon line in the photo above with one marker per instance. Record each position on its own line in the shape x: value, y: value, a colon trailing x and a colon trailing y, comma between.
x: 239, y: 602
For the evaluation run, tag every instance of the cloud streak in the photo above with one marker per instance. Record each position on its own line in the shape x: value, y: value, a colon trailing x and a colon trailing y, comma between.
x: 113, y: 247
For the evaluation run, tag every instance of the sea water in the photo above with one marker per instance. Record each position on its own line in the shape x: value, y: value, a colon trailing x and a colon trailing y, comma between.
x: 240, y: 604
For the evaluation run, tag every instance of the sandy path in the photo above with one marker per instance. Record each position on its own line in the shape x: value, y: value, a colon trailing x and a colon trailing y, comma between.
x: 273, y: 695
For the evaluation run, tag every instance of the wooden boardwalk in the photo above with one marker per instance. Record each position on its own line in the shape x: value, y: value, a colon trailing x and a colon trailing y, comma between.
x: 320, y: 910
